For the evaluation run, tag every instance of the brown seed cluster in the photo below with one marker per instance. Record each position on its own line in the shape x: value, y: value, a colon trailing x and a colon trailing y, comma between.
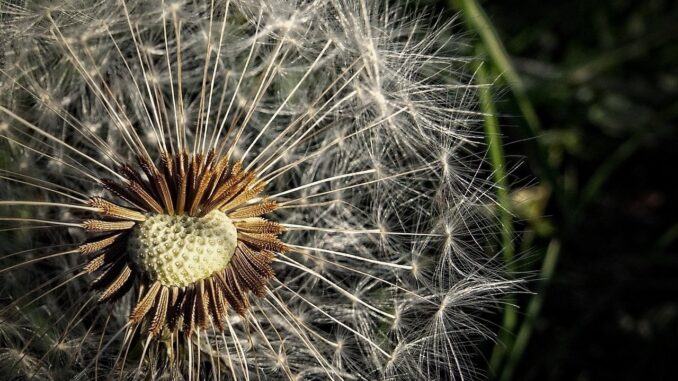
x: 183, y: 185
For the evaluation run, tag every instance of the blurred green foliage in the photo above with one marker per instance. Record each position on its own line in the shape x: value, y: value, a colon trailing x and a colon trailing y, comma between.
x: 585, y: 100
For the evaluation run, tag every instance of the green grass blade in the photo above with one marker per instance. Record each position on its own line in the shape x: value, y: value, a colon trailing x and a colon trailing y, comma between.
x: 532, y: 312
x: 496, y: 155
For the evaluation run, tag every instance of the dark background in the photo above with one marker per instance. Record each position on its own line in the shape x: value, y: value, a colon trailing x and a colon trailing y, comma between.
x: 596, y: 183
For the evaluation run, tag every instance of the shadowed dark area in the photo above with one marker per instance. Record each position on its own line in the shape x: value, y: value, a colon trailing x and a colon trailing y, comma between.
x: 601, y: 79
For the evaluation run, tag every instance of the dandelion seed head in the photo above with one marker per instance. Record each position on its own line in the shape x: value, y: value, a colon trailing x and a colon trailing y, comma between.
x: 243, y: 190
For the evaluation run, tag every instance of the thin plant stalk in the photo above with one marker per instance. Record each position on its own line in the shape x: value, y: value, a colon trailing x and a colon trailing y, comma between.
x: 496, y: 153
x: 477, y: 20
x: 532, y: 312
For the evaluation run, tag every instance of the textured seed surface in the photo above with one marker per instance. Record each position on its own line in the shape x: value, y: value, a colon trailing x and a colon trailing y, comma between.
x: 180, y: 250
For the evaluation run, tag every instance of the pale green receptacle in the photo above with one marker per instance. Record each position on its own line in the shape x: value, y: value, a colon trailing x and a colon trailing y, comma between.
x: 180, y: 250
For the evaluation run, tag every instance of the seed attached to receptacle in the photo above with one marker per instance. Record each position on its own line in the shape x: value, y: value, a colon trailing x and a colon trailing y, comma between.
x: 191, y: 244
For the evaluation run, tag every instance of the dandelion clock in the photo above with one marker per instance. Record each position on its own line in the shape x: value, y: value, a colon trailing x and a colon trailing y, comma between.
x: 239, y: 190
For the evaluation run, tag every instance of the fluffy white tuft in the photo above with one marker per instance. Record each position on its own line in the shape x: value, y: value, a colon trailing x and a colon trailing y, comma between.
x: 360, y: 116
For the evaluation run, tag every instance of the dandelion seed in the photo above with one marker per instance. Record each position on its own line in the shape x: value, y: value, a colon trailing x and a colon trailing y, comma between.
x: 237, y: 190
